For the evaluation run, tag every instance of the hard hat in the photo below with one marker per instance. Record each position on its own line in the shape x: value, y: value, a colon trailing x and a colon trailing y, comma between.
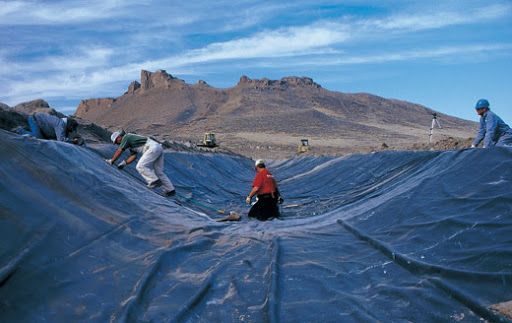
x: 482, y: 103
x: 114, y: 136
x: 259, y: 162
x: 71, y: 124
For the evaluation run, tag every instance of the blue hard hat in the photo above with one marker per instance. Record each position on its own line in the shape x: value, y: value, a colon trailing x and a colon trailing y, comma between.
x: 482, y: 103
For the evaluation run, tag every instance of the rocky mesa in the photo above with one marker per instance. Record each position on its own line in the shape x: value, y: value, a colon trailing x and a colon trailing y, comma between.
x: 267, y: 118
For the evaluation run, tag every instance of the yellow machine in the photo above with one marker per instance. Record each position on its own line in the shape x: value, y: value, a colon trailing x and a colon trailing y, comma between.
x: 303, y: 147
x: 208, y: 140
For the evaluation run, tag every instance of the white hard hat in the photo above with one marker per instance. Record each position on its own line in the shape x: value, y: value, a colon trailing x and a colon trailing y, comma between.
x: 259, y: 162
x: 114, y: 136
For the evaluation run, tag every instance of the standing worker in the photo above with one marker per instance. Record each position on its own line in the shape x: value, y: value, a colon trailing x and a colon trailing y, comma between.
x: 264, y: 187
x: 492, y: 130
x: 150, y: 165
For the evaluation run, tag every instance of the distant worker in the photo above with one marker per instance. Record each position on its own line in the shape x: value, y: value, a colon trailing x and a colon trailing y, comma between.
x: 150, y: 165
x: 492, y: 130
x: 264, y: 187
x: 46, y: 126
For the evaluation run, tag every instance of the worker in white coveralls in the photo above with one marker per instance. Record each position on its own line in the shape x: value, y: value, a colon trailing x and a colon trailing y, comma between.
x: 151, y: 163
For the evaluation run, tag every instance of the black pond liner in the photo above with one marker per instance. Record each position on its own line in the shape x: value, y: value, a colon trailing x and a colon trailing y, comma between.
x: 391, y: 236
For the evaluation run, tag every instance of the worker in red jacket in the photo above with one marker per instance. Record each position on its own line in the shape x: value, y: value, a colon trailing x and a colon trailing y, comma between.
x: 264, y: 187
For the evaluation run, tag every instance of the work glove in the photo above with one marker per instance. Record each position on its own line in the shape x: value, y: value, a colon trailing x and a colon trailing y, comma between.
x: 79, y: 141
x: 109, y: 161
x: 248, y: 200
x: 121, y: 165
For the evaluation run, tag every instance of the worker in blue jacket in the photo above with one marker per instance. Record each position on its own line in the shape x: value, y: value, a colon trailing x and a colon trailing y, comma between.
x: 46, y: 126
x: 492, y: 130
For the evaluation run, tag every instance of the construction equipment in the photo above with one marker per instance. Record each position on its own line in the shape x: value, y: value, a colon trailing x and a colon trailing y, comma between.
x: 434, y: 123
x: 303, y: 146
x: 208, y: 140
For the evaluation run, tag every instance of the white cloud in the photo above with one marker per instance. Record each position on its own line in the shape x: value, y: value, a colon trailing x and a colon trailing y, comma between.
x: 95, y: 70
x: 70, y: 68
x: 328, y: 35
x: 407, y: 55
x: 34, y: 12
x: 232, y: 16
x: 251, y: 15
x: 439, y: 18
x: 10, y: 7
x: 99, y: 82
x: 81, y: 59
x: 272, y: 43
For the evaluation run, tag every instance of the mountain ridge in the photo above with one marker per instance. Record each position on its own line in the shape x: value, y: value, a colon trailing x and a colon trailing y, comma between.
x: 259, y: 113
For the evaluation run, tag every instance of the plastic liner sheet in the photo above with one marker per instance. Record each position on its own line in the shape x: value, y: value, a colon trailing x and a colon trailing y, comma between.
x: 390, y: 237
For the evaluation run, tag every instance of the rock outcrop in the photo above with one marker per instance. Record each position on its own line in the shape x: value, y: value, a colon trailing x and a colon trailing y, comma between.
x: 33, y: 106
x: 282, y: 84
x: 133, y: 87
x: 4, y: 106
x: 10, y: 119
x: 94, y: 108
x: 159, y: 79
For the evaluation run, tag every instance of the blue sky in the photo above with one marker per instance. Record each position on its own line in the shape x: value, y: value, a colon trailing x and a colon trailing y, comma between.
x: 441, y: 54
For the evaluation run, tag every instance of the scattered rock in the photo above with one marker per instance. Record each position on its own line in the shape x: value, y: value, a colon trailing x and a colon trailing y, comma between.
x: 10, y: 119
x: 92, y: 133
x: 39, y: 105
x: 4, y: 106
x: 504, y: 309
x: 445, y: 144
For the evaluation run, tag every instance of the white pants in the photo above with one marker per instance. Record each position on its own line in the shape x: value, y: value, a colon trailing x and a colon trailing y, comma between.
x: 151, y: 164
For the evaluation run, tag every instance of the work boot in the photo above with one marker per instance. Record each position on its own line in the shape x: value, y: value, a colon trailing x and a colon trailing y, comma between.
x: 169, y: 193
x: 155, y: 184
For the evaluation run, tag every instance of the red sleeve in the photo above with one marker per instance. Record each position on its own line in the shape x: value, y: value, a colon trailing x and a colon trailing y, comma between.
x: 258, y: 180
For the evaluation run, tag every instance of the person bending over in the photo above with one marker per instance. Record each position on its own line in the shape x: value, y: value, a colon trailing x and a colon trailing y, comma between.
x: 150, y: 165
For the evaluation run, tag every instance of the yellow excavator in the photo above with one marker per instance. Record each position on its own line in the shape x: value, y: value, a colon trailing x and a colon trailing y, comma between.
x: 303, y: 146
x: 208, y: 140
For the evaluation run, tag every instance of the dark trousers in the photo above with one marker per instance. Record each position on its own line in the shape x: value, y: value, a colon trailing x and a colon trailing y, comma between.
x: 265, y: 208
x: 35, y: 131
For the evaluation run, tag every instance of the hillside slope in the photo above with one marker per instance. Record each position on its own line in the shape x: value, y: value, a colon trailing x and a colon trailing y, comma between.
x: 268, y: 117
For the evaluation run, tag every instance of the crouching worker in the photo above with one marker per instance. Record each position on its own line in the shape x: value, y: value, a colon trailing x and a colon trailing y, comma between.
x: 46, y: 126
x: 150, y: 165
x: 264, y: 187
x: 492, y: 130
